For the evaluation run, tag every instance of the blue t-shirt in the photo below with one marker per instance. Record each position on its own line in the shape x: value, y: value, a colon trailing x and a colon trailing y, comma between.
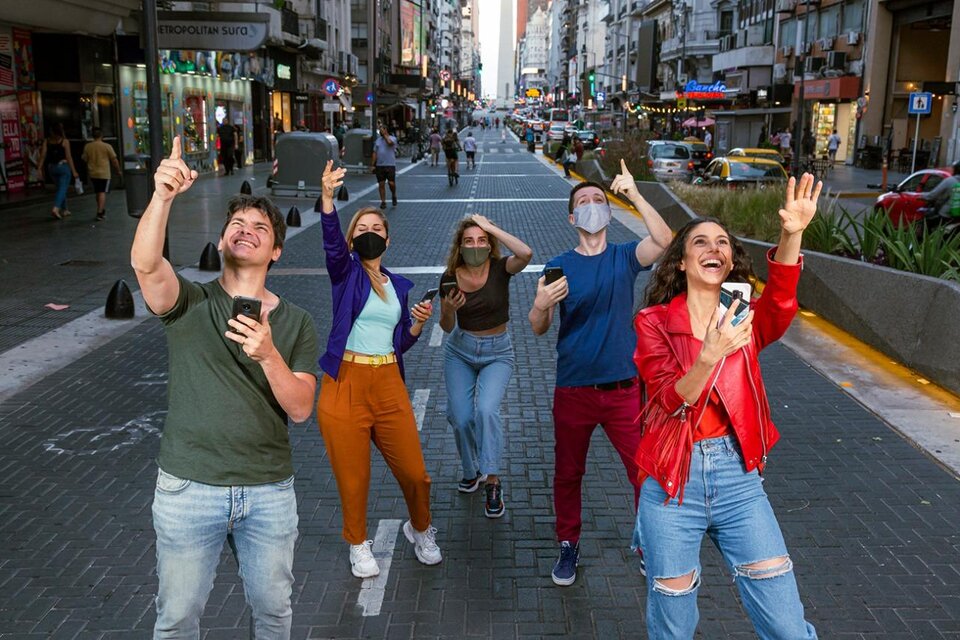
x: 386, y: 155
x: 597, y: 339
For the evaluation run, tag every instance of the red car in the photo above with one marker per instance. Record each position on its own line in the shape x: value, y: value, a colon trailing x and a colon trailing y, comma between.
x: 903, y: 201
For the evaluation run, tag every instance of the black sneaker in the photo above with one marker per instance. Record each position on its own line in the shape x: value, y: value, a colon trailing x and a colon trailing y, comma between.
x: 565, y: 570
x: 394, y: 200
x: 383, y: 205
x: 494, y: 505
x: 101, y: 215
x: 468, y: 485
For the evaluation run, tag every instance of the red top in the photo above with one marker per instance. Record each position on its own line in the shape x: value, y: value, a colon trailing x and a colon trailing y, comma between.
x: 714, y: 422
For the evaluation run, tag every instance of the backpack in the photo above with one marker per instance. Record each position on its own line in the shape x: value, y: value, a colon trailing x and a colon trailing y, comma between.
x: 449, y: 143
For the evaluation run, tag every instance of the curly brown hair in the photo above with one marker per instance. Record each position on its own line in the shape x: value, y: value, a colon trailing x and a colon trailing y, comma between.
x: 454, y: 260
x: 668, y: 281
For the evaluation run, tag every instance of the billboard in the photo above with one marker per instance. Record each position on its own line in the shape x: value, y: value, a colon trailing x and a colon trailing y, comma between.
x: 410, y: 32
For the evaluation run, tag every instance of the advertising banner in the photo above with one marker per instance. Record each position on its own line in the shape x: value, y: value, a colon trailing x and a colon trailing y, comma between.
x: 410, y: 46
x: 31, y: 134
x: 6, y: 60
x: 23, y: 59
x: 11, y: 161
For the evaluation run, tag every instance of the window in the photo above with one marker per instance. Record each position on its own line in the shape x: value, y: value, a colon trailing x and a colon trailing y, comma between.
x: 829, y: 22
x: 853, y: 17
x: 788, y: 33
x: 726, y: 21
x: 911, y: 184
x: 932, y: 181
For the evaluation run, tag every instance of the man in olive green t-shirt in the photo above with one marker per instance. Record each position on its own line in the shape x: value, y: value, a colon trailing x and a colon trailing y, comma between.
x: 225, y: 468
x: 99, y: 156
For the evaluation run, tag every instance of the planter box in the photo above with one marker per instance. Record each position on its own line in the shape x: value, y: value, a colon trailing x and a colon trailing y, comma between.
x: 909, y: 317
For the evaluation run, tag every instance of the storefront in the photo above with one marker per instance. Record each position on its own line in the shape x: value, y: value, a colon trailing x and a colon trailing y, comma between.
x: 197, y: 94
x: 292, y: 113
x: 833, y: 107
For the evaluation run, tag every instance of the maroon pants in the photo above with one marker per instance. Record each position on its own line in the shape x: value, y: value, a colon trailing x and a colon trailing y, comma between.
x: 576, y: 413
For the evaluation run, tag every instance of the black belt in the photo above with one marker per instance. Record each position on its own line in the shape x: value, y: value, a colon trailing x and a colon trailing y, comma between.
x: 613, y: 386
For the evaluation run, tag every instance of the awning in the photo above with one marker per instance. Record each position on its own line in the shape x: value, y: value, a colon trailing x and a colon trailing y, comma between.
x: 845, y: 87
x: 733, y: 113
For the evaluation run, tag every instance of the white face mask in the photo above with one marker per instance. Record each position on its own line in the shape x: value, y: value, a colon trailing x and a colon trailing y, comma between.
x: 592, y: 217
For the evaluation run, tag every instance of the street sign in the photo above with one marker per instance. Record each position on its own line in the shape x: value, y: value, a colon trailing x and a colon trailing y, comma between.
x: 331, y: 87
x: 920, y: 103
x: 601, y: 96
x: 681, y: 103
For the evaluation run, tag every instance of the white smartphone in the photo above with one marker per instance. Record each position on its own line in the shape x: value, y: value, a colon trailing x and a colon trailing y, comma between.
x: 730, y: 291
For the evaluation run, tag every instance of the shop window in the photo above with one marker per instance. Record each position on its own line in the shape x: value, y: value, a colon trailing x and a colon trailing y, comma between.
x: 853, y: 17
x: 194, y: 124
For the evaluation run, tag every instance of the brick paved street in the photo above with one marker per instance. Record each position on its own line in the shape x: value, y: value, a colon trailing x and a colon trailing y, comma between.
x: 871, y: 522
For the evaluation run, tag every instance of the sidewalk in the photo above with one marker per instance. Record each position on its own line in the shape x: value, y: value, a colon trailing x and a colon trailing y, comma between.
x: 852, y: 182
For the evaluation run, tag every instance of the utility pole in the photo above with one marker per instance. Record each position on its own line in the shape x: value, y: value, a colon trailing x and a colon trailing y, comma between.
x: 154, y: 112
x: 373, y: 58
x: 802, y: 62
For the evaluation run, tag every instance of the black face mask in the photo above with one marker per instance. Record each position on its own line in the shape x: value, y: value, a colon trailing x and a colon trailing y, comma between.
x: 369, y: 245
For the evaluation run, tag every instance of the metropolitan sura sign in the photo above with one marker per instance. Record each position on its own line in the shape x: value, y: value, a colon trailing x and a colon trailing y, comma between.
x: 213, y: 31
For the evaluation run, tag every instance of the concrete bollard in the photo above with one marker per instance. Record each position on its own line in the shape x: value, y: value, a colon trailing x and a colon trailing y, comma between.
x: 293, y: 217
x: 119, y: 302
x: 210, y: 258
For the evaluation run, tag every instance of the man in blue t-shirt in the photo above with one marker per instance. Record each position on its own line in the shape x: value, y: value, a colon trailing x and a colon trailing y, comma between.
x: 596, y: 377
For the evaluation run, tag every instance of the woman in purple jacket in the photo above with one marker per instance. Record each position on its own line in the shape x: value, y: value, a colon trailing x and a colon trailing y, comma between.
x: 363, y: 396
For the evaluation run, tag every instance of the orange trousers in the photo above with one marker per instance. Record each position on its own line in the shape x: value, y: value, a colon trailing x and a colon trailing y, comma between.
x: 371, y: 403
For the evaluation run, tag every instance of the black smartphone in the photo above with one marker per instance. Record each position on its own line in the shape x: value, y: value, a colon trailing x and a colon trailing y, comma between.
x: 249, y: 307
x: 552, y: 274
x: 429, y: 295
x: 447, y: 289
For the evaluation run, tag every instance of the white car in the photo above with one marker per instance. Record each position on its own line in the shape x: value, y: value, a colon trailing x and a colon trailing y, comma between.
x: 556, y: 131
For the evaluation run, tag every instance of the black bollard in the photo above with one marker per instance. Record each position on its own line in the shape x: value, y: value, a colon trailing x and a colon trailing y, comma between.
x: 293, y: 217
x: 318, y: 205
x: 119, y: 302
x: 343, y: 195
x: 210, y: 258
x: 245, y: 188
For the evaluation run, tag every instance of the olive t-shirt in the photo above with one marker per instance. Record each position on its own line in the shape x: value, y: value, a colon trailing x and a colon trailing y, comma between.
x: 224, y: 426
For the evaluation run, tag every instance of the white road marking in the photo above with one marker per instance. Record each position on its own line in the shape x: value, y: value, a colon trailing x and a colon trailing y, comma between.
x: 373, y: 589
x: 439, y: 200
x: 409, y: 271
x: 420, y: 398
x: 436, y: 336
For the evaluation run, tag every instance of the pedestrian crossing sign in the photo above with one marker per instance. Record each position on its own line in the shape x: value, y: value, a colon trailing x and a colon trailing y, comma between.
x: 920, y: 103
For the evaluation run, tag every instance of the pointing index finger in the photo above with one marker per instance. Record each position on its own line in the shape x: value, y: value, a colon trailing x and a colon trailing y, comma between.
x: 175, y: 148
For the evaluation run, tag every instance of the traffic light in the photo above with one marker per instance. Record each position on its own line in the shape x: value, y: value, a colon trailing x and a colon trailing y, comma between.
x: 593, y: 87
x: 479, y: 67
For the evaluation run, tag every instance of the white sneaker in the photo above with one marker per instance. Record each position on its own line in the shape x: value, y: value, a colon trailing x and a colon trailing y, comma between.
x: 424, y: 543
x: 362, y: 562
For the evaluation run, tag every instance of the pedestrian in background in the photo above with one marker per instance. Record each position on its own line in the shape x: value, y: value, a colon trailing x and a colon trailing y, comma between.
x: 833, y: 143
x: 239, y: 146
x: 384, y: 165
x: 470, y: 148
x: 708, y: 140
x: 363, y: 396
x: 435, y: 141
x: 227, y: 135
x: 451, y: 150
x: 708, y: 430
x: 478, y: 356
x: 225, y: 471
x: 56, y: 162
x: 99, y: 156
x: 596, y: 377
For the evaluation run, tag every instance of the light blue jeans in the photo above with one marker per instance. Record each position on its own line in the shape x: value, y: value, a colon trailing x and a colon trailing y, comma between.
x: 61, y: 178
x: 730, y: 505
x: 192, y: 520
x: 476, y: 370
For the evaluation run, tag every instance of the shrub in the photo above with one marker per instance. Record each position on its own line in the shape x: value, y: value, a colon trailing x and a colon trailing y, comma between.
x: 919, y: 249
x: 632, y: 149
x: 748, y: 212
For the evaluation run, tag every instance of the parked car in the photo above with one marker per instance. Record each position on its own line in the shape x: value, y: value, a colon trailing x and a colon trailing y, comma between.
x: 590, y: 139
x: 670, y: 161
x: 740, y: 172
x: 700, y: 154
x: 903, y: 201
x: 556, y: 131
x: 751, y: 152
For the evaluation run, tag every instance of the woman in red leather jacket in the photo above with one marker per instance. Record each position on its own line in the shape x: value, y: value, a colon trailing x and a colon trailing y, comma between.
x: 707, y: 430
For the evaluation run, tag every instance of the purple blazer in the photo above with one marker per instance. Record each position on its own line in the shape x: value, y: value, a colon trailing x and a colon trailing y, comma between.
x: 351, y: 288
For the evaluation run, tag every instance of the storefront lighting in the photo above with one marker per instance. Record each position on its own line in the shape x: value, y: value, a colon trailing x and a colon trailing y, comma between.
x: 141, y: 66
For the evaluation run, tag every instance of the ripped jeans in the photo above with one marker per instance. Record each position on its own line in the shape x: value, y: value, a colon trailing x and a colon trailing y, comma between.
x: 730, y: 505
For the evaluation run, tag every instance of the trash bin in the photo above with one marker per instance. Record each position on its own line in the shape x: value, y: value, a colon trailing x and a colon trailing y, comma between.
x: 301, y: 158
x: 357, y: 147
x: 137, y: 184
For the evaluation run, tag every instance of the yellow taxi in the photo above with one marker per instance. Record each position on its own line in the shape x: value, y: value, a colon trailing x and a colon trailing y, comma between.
x: 735, y: 172
x: 755, y: 152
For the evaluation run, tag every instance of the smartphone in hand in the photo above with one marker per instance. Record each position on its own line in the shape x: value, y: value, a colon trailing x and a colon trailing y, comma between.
x: 429, y: 295
x: 552, y: 274
x: 738, y: 293
x: 448, y: 289
x: 249, y: 307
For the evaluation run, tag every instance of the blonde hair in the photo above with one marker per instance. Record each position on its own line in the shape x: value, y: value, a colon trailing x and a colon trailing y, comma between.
x: 454, y: 260
x: 374, y: 276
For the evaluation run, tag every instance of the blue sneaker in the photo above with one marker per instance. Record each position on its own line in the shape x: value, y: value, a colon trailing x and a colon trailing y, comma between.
x: 565, y: 569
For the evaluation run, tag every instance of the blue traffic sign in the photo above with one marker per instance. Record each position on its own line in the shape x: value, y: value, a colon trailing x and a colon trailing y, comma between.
x: 920, y: 103
x: 601, y: 96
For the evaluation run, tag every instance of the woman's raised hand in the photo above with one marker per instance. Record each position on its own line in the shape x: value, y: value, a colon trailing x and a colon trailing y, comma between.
x: 332, y: 178
x: 801, y: 204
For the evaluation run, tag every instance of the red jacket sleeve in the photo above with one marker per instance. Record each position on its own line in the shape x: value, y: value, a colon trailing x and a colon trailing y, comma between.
x: 777, y: 306
x: 656, y: 363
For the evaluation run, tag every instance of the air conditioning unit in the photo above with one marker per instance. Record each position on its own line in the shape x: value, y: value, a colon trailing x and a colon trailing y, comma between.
x: 813, y: 65
x: 855, y: 67
x: 741, y: 38
x: 727, y: 43
x: 779, y: 71
x: 853, y: 37
x: 786, y: 52
x: 826, y: 44
x: 786, y: 6
x: 837, y: 60
x: 755, y: 35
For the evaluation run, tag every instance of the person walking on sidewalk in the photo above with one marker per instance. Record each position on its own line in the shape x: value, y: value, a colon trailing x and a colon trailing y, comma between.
x: 435, y: 141
x: 451, y: 150
x: 470, y: 148
x: 384, y: 164
x: 242, y: 363
x: 228, y: 141
x: 362, y: 394
x: 478, y: 356
x: 833, y: 144
x: 708, y: 431
x: 596, y: 378
x: 99, y: 156
x: 56, y: 162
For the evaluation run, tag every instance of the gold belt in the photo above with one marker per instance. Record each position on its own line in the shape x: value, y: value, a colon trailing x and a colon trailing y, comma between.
x: 373, y: 361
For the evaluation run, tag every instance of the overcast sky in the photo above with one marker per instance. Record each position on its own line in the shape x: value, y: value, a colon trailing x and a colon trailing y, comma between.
x: 489, y: 11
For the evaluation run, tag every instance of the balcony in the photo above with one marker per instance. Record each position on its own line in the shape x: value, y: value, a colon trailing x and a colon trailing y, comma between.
x: 290, y: 22
x: 637, y: 7
x: 697, y: 45
x: 758, y: 56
